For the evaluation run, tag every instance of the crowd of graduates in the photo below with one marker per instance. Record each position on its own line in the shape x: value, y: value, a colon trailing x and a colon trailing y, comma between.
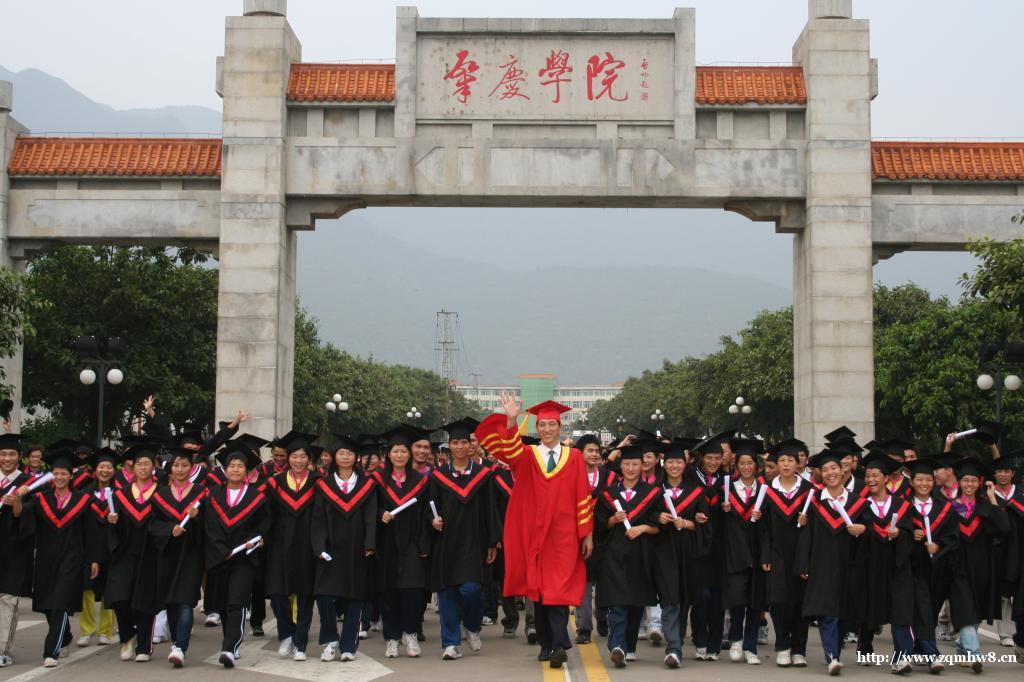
x: 710, y: 536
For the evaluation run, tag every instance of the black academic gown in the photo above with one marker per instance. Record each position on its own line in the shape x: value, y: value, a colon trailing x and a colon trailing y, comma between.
x: 97, y: 537
x: 503, y: 481
x: 978, y: 532
x: 605, y: 478
x: 81, y: 477
x: 131, y: 569
x: 628, y: 566
x: 678, y: 553
x: 345, y: 527
x: 744, y: 580
x: 471, y: 525
x: 180, y: 562
x: 64, y: 544
x: 1006, y: 549
x: 291, y: 567
x: 779, y: 536
x: 402, y: 544
x: 1014, y: 566
x: 226, y: 528
x: 882, y: 567
x: 824, y: 553
x: 942, y: 576
x: 712, y: 568
x: 16, y: 568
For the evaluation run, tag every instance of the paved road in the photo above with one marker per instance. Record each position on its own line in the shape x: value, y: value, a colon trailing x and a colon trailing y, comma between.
x: 500, y: 660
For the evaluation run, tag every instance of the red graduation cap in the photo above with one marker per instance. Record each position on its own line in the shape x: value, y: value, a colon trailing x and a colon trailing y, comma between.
x: 549, y: 409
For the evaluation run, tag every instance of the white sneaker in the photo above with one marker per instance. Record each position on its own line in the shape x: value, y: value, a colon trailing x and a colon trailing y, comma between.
x: 799, y: 661
x: 50, y: 662
x: 363, y: 634
x: 176, y: 657
x: 299, y: 655
x: 474, y: 640
x: 391, y: 648
x: 5, y: 660
x: 1006, y: 641
x: 451, y: 653
x: 487, y: 620
x: 284, y: 649
x: 376, y: 626
x: 712, y: 656
x: 128, y: 650
x: 835, y: 667
x: 671, y: 661
x: 226, y: 659
x: 142, y: 658
x: 751, y: 658
x: 736, y: 652
x: 347, y: 656
x: 330, y: 652
x: 701, y: 654
x: 103, y: 640
x: 84, y: 640
x: 212, y: 621
x: 630, y: 656
x: 412, y: 645
x: 903, y: 668
x: 783, y: 659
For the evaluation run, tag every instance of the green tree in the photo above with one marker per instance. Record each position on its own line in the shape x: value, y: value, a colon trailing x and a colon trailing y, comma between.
x: 999, y: 277
x: 17, y: 305
x: 162, y: 302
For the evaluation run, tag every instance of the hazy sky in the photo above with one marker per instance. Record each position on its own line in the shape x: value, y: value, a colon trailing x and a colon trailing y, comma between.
x: 947, y: 69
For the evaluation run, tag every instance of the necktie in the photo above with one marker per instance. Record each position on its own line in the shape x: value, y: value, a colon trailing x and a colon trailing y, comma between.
x: 344, y: 487
x: 629, y: 495
x: 551, y: 461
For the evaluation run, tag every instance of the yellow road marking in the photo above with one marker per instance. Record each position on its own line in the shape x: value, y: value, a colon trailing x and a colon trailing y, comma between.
x: 593, y: 666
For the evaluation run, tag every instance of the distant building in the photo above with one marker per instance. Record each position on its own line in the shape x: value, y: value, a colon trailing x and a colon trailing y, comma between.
x: 536, y: 388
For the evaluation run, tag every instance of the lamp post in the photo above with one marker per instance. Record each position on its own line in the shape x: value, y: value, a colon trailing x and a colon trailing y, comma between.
x: 413, y: 414
x: 334, y: 406
x: 739, y: 407
x: 620, y: 424
x: 1000, y: 358
x: 106, y: 355
x: 659, y: 420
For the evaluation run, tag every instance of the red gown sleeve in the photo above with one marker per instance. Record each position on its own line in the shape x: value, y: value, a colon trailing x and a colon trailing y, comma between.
x: 502, y: 442
x: 584, y: 500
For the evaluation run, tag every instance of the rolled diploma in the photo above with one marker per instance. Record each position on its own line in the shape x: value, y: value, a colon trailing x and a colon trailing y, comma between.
x: 964, y: 434
x: 807, y: 505
x: 109, y: 493
x: 625, y: 522
x: 406, y: 505
x: 39, y: 482
x: 760, y: 498
x: 326, y: 557
x: 242, y: 547
x: 846, y: 517
x: 433, y: 508
x: 725, y: 489
x: 927, y: 528
x: 187, y: 517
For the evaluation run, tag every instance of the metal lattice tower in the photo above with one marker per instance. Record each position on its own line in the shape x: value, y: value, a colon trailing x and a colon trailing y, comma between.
x: 445, y: 352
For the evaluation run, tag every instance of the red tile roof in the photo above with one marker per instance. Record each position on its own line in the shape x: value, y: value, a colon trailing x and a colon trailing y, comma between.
x: 342, y: 83
x: 978, y: 161
x: 751, y: 84
x: 99, y: 156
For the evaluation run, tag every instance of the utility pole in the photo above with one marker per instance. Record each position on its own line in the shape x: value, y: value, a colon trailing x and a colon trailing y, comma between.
x: 476, y: 387
x: 445, y: 350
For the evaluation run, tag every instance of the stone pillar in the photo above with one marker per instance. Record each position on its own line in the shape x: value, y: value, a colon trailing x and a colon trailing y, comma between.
x: 256, y: 304
x: 9, y: 131
x: 832, y: 255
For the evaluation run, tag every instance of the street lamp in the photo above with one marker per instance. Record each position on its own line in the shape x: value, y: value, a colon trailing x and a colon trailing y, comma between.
x: 335, y: 406
x: 413, y: 413
x: 658, y: 418
x: 1000, y: 358
x: 740, y: 406
x: 106, y: 355
x: 620, y: 423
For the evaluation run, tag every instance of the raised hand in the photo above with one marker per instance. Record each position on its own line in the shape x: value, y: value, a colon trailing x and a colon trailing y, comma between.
x: 512, y: 407
x: 147, y: 406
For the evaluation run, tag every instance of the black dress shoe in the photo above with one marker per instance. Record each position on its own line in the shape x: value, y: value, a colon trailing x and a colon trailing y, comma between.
x: 583, y: 637
x: 420, y: 637
x: 531, y: 635
x: 602, y: 628
x: 544, y: 655
x: 558, y: 657
x: 257, y: 630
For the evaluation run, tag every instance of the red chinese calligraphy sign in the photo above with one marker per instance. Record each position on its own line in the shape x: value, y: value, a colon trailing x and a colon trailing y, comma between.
x: 556, y: 65
x: 511, y: 80
x: 606, y: 70
x: 462, y: 74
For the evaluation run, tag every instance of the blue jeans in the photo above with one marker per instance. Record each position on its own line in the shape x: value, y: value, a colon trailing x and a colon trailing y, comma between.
x: 828, y: 628
x: 707, y: 619
x: 624, y: 627
x: 179, y: 622
x: 673, y: 620
x: 968, y: 641
x: 328, y: 609
x: 745, y: 630
x: 298, y: 629
x: 585, y: 611
x: 448, y: 600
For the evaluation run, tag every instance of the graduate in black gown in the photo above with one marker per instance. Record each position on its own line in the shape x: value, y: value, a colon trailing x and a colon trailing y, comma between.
x: 344, y: 541
x: 598, y: 476
x: 625, y: 517
x: 882, y: 564
x: 743, y: 587
x: 466, y: 534
x: 291, y: 567
x: 131, y: 569
x: 1007, y: 556
x: 57, y: 520
x: 179, y: 546
x: 503, y: 481
x: 235, y: 524
x: 1012, y: 497
x: 824, y: 553
x: 16, y: 568
x: 682, y: 543
x: 403, y: 542
x: 779, y: 527
x: 103, y: 466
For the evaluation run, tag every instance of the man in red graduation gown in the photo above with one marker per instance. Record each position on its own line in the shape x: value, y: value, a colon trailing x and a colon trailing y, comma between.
x: 549, y: 523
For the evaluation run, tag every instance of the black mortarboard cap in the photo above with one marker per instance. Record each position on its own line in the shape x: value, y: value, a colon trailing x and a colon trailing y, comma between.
x: 747, y: 446
x: 945, y: 460
x: 790, y: 447
x: 341, y: 441
x: 711, y: 444
x: 842, y: 432
x: 894, y: 447
x: 105, y: 454
x: 296, y: 440
x: 877, y: 459
x: 189, y: 433
x: 403, y: 434
x: 970, y: 466
x: 926, y: 465
x: 987, y: 431
x: 457, y: 430
x: 175, y: 452
x: 69, y: 444
x: 824, y: 457
x: 369, y: 444
x: 686, y: 441
x: 10, y: 441
x: 643, y: 434
x: 649, y: 445
x: 1004, y: 464
x: 632, y: 452
x: 676, y: 450
x: 845, y: 446
x: 137, y: 447
x: 62, y: 456
x: 253, y: 441
x: 238, y: 449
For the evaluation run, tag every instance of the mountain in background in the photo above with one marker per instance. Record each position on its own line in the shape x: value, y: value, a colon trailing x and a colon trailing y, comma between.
x: 591, y: 295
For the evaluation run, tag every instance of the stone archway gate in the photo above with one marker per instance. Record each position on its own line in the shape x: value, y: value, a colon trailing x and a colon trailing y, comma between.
x: 521, y: 112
